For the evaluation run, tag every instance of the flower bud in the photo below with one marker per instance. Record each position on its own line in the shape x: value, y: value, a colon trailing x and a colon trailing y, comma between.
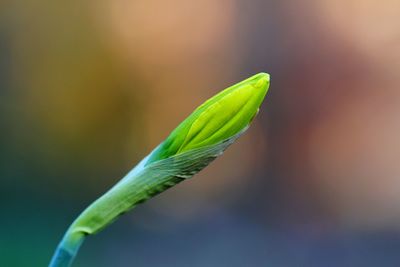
x: 197, y: 141
x: 218, y: 119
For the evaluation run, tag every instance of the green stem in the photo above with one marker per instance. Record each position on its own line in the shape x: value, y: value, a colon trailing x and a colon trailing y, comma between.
x: 67, y: 249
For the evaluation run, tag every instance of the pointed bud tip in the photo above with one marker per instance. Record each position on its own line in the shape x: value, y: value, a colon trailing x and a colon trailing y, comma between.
x: 261, y: 80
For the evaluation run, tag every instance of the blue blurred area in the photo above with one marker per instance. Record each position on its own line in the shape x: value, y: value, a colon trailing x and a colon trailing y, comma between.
x: 221, y: 239
x: 88, y: 89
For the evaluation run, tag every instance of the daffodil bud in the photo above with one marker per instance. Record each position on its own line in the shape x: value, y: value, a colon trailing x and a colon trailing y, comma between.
x: 219, y: 118
x: 197, y: 141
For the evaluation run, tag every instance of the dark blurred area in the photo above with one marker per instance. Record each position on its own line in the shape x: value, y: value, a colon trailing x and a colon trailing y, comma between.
x: 88, y: 88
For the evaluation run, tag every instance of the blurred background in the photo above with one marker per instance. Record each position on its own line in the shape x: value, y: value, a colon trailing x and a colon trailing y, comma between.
x: 88, y: 88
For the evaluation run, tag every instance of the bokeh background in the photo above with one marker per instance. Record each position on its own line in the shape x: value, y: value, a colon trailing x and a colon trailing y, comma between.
x: 88, y: 88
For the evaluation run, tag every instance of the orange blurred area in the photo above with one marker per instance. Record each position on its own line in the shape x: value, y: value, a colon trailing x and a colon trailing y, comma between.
x: 89, y: 88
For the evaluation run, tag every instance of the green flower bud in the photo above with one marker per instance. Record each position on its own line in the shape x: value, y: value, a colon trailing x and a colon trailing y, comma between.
x: 197, y: 141
x: 219, y: 118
